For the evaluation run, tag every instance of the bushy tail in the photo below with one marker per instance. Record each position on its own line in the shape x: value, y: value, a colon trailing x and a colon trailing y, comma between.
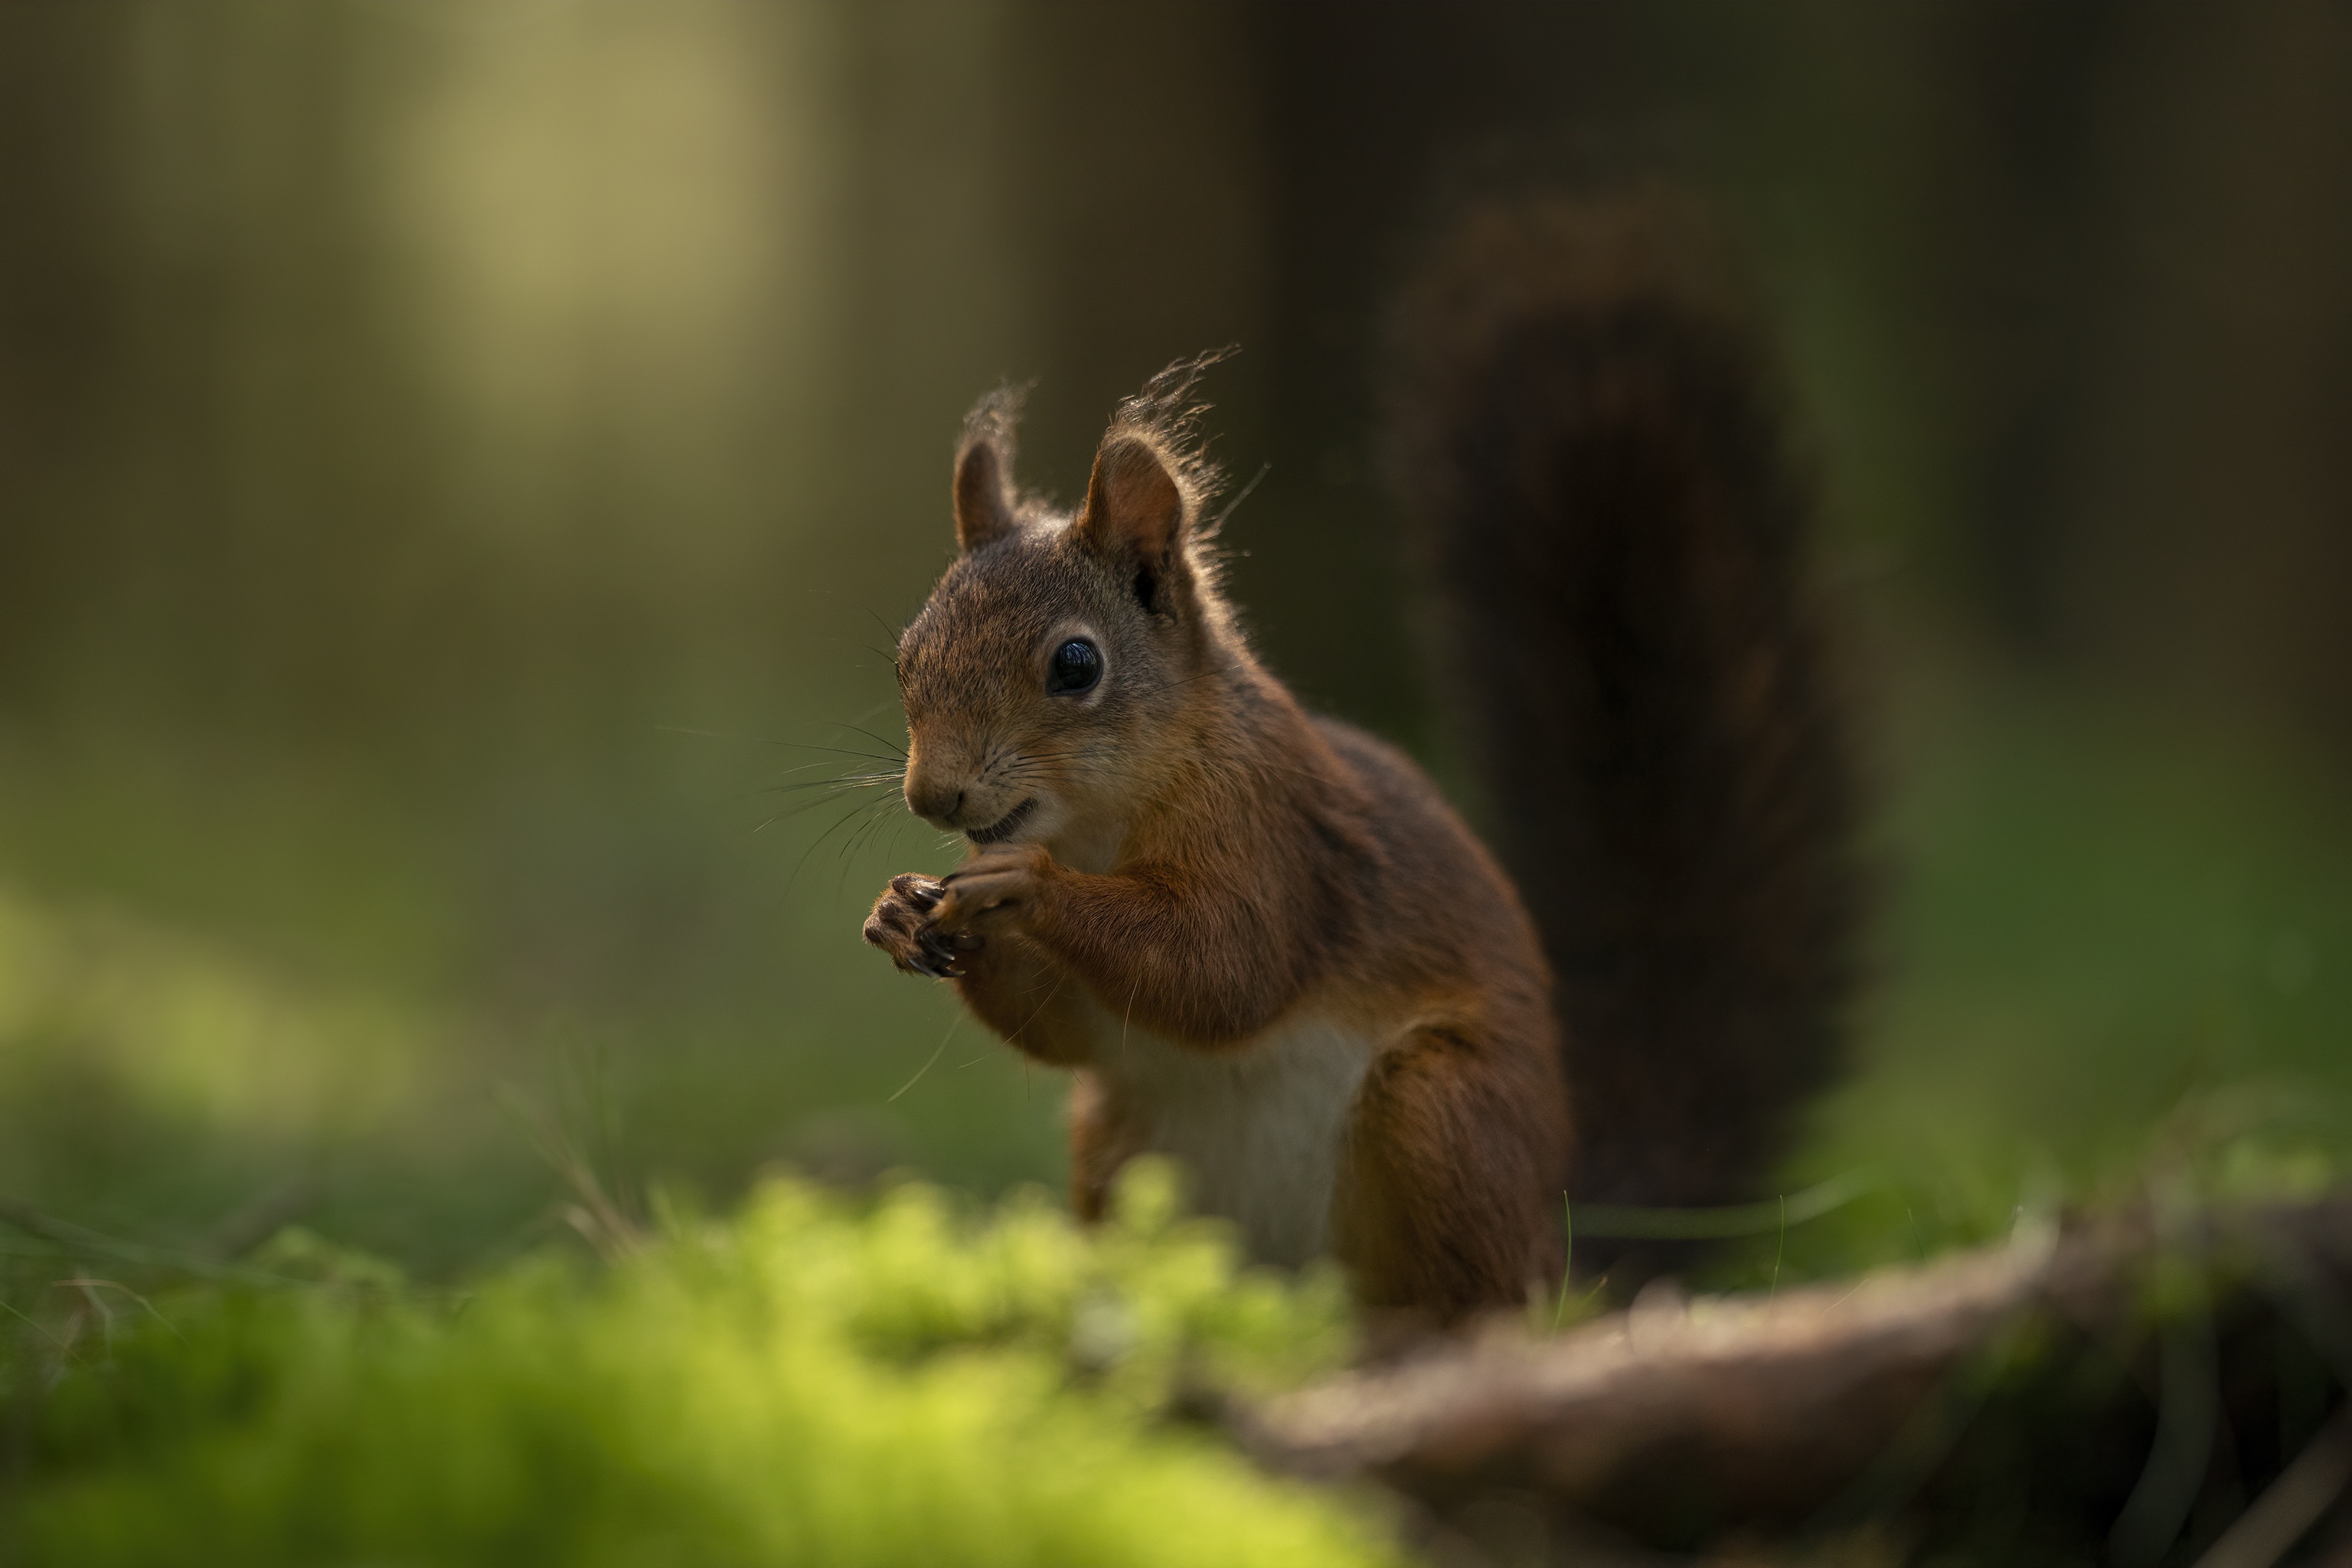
x: 1587, y: 443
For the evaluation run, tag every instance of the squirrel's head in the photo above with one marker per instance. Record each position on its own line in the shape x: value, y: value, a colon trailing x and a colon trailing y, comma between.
x: 1044, y: 678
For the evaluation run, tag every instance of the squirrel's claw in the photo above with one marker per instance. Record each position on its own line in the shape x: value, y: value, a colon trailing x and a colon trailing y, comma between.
x: 923, y: 893
x: 903, y: 926
x: 959, y: 942
x: 936, y: 949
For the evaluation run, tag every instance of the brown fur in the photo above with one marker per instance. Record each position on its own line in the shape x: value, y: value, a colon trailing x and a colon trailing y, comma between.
x: 1205, y: 861
x: 1183, y: 858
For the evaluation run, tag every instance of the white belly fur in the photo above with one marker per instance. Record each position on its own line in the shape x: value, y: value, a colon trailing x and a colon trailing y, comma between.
x: 1258, y: 1128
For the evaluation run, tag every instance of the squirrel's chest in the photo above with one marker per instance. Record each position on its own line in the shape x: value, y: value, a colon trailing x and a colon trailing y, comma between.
x: 1259, y: 1128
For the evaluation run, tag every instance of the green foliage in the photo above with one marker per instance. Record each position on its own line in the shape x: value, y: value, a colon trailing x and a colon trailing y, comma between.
x: 817, y: 1381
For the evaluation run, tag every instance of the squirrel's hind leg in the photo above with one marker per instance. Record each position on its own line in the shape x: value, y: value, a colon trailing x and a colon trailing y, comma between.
x: 1455, y: 1154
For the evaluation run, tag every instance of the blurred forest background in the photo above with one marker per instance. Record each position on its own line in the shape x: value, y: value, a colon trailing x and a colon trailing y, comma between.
x: 457, y: 456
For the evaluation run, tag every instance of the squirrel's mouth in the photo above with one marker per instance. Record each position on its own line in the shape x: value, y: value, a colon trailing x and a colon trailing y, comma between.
x: 1004, y: 826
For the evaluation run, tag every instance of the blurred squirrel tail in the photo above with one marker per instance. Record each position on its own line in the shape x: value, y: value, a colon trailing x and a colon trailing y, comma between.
x: 1589, y: 448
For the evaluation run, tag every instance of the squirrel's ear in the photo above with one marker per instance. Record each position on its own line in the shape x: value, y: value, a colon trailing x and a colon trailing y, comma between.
x: 983, y: 497
x: 1134, y: 506
x: 985, y: 508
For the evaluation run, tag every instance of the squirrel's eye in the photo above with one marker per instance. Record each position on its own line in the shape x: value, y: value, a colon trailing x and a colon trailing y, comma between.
x: 1077, y: 665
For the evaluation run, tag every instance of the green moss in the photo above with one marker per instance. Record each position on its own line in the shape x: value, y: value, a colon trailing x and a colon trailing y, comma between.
x: 893, y: 1383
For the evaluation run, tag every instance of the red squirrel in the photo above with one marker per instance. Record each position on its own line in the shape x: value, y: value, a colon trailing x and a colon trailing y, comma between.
x: 1261, y: 941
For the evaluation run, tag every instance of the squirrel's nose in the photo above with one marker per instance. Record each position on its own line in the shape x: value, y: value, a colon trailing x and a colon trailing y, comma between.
x: 934, y: 802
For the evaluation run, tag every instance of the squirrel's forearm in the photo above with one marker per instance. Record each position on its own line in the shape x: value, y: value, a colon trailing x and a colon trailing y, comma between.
x: 1166, y: 955
x: 1035, y: 1004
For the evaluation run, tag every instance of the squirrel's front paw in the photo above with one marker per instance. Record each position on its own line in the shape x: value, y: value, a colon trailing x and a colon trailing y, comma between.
x: 905, y: 924
x: 997, y: 886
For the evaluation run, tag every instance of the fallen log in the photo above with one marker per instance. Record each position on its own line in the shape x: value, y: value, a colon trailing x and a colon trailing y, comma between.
x: 2145, y: 1350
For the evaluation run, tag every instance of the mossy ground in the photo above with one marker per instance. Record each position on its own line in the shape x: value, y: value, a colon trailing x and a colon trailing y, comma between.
x: 816, y: 1380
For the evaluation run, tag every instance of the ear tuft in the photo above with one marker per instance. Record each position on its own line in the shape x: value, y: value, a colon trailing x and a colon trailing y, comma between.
x: 986, y: 505
x: 1152, y: 480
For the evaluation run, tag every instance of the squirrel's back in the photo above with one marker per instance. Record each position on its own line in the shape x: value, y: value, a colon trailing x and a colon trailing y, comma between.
x: 1588, y: 450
